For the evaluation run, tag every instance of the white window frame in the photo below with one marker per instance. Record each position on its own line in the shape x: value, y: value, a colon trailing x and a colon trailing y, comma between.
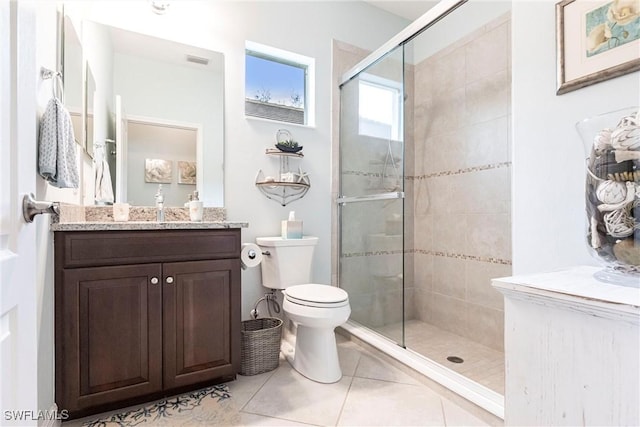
x: 294, y: 59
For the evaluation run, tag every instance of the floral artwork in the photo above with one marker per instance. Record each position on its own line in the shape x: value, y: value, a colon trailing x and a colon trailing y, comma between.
x: 157, y: 170
x: 186, y: 172
x: 597, y: 40
x: 612, y: 25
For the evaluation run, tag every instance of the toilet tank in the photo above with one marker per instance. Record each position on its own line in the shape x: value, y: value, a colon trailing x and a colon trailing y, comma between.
x: 288, y: 262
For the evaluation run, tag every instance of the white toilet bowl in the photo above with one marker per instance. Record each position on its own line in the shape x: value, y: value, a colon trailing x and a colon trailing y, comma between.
x: 316, y: 310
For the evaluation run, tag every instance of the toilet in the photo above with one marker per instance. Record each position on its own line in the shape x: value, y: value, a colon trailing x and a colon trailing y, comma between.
x: 315, y: 309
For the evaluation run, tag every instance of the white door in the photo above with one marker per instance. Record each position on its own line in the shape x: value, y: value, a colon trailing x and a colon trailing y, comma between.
x: 18, y: 318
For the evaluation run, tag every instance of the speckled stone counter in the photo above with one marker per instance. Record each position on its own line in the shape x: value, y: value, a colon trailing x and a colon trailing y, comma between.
x: 144, y: 225
x: 100, y: 218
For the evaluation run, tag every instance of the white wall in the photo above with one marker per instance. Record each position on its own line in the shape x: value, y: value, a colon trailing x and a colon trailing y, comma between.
x: 548, y: 159
x: 45, y: 54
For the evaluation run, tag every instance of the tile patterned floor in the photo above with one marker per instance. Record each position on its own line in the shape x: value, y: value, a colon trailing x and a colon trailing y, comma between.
x: 372, y: 392
x: 481, y: 363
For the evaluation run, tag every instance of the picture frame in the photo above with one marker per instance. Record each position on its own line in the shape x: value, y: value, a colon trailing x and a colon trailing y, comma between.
x: 158, y: 171
x: 595, y: 41
x: 187, y: 172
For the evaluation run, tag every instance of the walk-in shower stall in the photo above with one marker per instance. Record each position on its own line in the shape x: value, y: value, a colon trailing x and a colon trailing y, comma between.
x: 424, y: 195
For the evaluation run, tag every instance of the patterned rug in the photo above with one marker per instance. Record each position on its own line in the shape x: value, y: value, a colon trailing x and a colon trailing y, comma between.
x: 170, y: 411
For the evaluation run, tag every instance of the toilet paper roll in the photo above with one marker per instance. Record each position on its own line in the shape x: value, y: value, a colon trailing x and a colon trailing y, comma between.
x: 251, y: 255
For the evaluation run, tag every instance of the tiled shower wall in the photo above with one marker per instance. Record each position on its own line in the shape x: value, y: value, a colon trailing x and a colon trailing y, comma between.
x: 461, y: 213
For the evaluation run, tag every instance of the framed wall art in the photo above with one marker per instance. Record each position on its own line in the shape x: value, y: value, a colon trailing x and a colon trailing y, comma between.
x: 158, y: 170
x: 596, y: 40
x: 186, y: 172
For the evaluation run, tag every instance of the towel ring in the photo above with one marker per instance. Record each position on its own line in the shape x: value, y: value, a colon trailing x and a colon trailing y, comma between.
x: 56, y: 76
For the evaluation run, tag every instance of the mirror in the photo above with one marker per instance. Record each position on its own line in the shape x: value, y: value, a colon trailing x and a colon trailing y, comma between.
x: 72, y: 76
x: 157, y: 115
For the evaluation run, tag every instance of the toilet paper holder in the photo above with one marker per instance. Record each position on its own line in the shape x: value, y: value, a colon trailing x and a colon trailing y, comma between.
x: 252, y: 254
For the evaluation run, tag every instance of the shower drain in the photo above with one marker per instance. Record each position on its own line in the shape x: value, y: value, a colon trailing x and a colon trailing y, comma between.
x: 455, y: 359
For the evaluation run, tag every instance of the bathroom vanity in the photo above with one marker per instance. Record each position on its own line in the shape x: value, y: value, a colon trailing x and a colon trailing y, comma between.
x: 144, y: 311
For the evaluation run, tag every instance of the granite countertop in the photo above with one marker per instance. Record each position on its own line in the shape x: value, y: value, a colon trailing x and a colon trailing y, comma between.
x: 100, y: 218
x: 145, y: 225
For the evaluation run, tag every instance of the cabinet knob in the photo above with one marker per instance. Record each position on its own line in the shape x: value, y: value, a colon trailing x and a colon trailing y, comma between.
x: 154, y: 280
x: 169, y: 280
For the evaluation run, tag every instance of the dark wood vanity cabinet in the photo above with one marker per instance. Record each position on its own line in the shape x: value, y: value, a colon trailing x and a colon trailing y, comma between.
x: 144, y: 314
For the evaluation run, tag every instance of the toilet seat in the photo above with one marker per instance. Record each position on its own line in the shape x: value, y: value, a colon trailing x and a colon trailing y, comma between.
x: 314, y: 295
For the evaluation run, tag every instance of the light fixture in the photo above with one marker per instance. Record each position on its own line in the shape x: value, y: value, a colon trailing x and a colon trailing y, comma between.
x: 159, y: 6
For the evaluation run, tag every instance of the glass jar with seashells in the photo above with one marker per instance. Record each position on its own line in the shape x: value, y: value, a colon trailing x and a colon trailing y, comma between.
x: 612, y: 144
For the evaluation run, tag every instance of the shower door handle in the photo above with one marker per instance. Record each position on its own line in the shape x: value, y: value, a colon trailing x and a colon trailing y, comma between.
x: 371, y: 198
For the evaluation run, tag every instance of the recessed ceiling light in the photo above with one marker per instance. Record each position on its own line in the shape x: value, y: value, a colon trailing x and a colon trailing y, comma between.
x: 159, y: 6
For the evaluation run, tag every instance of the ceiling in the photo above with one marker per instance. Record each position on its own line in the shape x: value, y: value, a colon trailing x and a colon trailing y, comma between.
x: 408, y: 9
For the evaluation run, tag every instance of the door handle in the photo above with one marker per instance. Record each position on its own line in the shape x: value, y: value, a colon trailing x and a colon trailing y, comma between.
x: 32, y: 207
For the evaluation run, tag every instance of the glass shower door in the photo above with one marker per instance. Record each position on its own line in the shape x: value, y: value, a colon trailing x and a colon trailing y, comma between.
x: 371, y: 264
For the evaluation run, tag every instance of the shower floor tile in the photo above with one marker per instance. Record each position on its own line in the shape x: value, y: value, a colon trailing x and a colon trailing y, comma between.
x: 481, y: 363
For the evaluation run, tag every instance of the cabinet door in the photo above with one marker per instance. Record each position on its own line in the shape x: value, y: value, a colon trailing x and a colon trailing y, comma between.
x: 109, y: 332
x: 202, y: 321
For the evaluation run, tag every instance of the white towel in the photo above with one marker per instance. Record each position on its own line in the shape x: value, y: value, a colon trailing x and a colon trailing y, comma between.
x: 57, y: 147
x: 104, y: 189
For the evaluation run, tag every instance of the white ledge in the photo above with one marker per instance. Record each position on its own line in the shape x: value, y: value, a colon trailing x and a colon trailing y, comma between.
x: 576, y: 287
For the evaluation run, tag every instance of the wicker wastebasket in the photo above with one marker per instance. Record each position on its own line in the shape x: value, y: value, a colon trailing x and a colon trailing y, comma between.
x: 260, y: 345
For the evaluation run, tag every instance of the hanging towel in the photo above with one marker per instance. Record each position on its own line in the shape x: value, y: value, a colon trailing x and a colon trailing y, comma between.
x: 57, y: 147
x: 104, y: 189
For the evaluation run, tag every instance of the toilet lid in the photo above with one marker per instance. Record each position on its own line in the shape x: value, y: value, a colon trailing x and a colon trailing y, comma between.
x: 312, y: 294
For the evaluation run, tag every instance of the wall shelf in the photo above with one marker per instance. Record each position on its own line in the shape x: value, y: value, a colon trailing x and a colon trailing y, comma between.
x: 289, y: 185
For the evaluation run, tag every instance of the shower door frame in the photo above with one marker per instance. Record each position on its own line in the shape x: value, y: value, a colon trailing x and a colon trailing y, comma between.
x: 469, y: 389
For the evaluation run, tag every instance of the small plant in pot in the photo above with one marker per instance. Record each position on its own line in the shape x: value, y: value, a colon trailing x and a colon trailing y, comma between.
x: 289, y: 146
x: 285, y: 143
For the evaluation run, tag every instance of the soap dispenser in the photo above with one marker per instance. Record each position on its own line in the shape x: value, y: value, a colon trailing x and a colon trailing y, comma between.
x: 159, y: 204
x: 196, y: 208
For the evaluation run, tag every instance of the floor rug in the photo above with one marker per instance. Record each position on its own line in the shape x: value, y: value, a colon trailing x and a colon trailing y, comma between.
x: 164, y: 412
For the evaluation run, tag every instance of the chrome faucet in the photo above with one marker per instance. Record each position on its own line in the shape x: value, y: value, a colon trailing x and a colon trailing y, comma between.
x: 159, y: 204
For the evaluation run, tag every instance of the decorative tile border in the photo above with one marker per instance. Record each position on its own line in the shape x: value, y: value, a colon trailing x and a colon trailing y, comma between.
x: 364, y: 174
x: 461, y: 171
x: 490, y: 260
x: 373, y: 253
x: 433, y: 174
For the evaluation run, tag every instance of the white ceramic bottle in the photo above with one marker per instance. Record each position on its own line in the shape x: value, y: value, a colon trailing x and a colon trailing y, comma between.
x: 196, y: 208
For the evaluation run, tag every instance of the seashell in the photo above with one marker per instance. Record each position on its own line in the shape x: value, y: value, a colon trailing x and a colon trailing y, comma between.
x: 626, y: 138
x: 602, y: 141
x: 611, y: 192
